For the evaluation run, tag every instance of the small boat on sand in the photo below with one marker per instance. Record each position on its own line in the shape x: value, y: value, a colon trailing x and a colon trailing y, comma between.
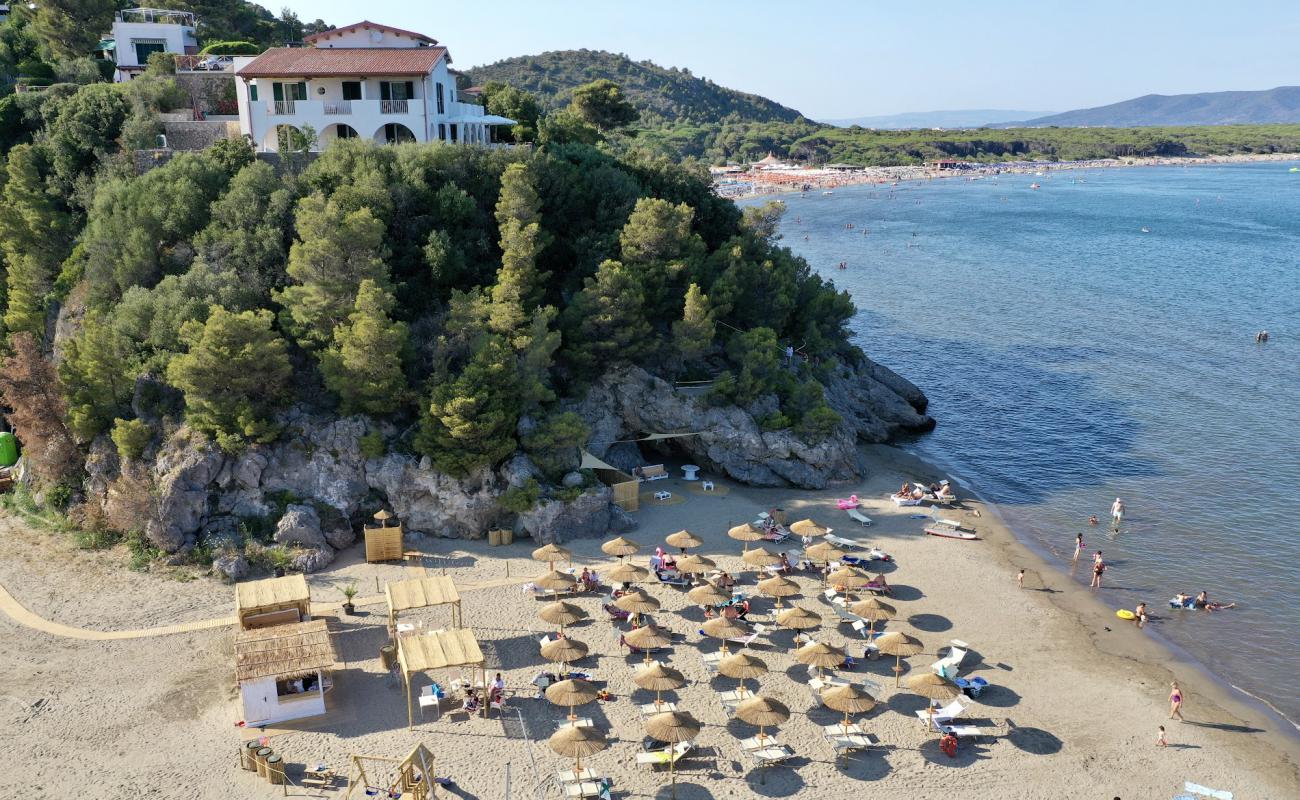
x: 946, y: 532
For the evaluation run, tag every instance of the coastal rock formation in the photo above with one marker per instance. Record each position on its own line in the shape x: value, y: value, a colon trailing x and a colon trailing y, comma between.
x: 591, y: 515
x: 874, y: 402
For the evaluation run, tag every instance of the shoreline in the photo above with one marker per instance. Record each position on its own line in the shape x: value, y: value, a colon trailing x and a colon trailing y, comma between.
x: 792, y: 181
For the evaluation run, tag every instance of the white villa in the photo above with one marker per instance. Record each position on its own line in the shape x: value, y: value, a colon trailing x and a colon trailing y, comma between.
x: 364, y: 80
x: 141, y: 32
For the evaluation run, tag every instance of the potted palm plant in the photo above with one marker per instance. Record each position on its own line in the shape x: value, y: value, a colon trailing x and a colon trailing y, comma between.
x: 349, y: 592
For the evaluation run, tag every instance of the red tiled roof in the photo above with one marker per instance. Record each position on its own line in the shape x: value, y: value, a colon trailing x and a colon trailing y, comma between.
x: 366, y: 24
x: 293, y: 62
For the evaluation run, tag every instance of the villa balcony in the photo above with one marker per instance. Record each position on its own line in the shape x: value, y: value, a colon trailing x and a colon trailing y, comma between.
x: 393, y: 106
x: 337, y: 107
x: 341, y: 108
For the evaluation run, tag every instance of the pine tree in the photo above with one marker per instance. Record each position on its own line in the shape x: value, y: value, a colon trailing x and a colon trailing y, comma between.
x: 658, y: 242
x: 234, y: 377
x: 364, y: 366
x: 35, y: 236
x: 519, y: 286
x: 693, y: 333
x: 607, y: 320
x: 335, y: 252
x: 470, y: 420
x: 97, y: 375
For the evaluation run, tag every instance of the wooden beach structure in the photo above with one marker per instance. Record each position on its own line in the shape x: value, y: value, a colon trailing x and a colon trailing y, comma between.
x: 283, y: 671
x: 422, y: 593
x: 431, y: 651
x: 272, y: 601
x: 384, y: 538
x: 625, y: 488
x: 414, y: 776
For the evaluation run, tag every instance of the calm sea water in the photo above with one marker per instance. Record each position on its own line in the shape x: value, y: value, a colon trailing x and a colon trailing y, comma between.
x: 1072, y: 358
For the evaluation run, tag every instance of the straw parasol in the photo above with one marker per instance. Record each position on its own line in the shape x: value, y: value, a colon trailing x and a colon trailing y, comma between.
x: 746, y: 533
x: 683, y: 539
x: 694, y: 565
x: 637, y: 602
x: 849, y: 699
x: 709, y: 594
x: 622, y: 546
x: 564, y: 650
x: 672, y: 727
x: 383, y: 515
x: 819, y: 655
x: 627, y: 573
x: 849, y: 577
x: 823, y: 552
x: 742, y: 666
x: 898, y: 645
x: 762, y: 711
x: 659, y: 678
x: 647, y: 638
x: 573, y: 692
x: 873, y: 611
x: 797, y: 618
x: 562, y: 614
x: 778, y: 587
x: 808, y: 529
x: 575, y: 743
x: 932, y: 686
x: 555, y: 581
x: 723, y: 628
x: 550, y: 553
x: 760, y: 557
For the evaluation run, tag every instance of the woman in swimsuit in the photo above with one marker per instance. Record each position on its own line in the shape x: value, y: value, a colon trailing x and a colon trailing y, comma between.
x: 1176, y: 702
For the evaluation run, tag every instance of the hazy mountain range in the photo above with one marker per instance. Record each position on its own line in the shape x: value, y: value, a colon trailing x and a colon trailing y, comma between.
x: 964, y: 118
x: 1205, y: 108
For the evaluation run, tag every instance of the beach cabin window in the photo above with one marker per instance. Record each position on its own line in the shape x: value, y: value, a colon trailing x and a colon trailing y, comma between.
x: 351, y: 90
x: 293, y: 687
x: 252, y: 92
x: 147, y: 47
x: 396, y: 90
x: 440, y: 107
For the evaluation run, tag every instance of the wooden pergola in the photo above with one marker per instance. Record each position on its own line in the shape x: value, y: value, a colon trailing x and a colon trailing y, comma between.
x: 273, y: 601
x: 422, y: 593
x: 435, y: 650
x: 414, y: 774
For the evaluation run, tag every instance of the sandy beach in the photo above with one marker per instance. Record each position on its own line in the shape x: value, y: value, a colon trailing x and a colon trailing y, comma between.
x: 1075, y: 694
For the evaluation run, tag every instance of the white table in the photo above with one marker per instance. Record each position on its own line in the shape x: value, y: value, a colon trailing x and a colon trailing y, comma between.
x: 690, y: 470
x: 663, y: 495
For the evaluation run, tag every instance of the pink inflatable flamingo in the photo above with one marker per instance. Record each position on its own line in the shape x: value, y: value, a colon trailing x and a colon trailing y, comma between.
x: 852, y: 502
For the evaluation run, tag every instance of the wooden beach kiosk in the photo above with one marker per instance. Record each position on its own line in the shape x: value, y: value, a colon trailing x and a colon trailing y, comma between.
x: 283, y: 671
x: 437, y: 650
x: 273, y: 601
x: 422, y: 593
x: 626, y: 489
x: 384, y: 538
x: 414, y: 777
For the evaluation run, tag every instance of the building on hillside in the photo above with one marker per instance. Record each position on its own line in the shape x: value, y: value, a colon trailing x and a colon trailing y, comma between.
x: 140, y: 32
x: 360, y: 81
x: 4, y: 12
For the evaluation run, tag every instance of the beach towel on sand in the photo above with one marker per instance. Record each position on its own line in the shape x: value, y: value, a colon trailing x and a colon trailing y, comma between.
x: 1217, y: 794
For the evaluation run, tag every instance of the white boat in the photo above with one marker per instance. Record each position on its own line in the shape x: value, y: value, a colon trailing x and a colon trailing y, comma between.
x: 945, y: 532
x: 1034, y: 186
x: 1145, y: 229
x: 828, y: 192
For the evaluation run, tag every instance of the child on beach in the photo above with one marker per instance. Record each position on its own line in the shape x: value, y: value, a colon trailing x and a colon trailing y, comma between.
x: 1078, y: 545
x: 1161, y: 739
x: 1020, y: 579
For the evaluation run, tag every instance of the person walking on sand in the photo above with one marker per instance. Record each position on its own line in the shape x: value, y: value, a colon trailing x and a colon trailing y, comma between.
x: 1161, y: 739
x: 1020, y: 579
x: 1176, y: 702
x: 1117, y: 513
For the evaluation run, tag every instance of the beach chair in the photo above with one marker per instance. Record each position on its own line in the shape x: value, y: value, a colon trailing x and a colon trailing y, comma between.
x: 858, y: 517
x: 950, y: 665
x: 905, y: 501
x: 769, y: 756
x: 662, y: 758
x: 964, y: 731
x: 567, y: 776
x: 585, y: 789
x: 840, y: 541
x: 672, y: 577
x: 711, y: 661
x: 847, y: 742
x: 954, y: 710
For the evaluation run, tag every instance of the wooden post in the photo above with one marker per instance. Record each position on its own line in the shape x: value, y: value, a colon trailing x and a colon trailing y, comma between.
x: 406, y: 679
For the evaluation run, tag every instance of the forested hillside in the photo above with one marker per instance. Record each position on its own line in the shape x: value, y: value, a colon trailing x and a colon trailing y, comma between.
x: 662, y: 95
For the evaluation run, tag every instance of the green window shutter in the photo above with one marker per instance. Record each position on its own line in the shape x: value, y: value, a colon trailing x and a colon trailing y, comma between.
x: 385, y: 90
x: 252, y: 92
x: 277, y: 91
x: 302, y: 91
x: 410, y: 90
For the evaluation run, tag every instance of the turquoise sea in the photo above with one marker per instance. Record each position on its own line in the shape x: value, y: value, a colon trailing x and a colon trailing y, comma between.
x: 1071, y: 358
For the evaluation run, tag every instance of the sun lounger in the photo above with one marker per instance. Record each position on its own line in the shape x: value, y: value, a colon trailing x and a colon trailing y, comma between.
x: 672, y: 577
x: 662, y: 758
x: 964, y: 731
x: 847, y: 742
x: 954, y: 710
x: 755, y: 743
x: 569, y: 776
x: 847, y: 544
x: 950, y: 665
x: 653, y: 472
x: 771, y: 755
x: 858, y: 517
x: 584, y: 789
x: 907, y: 500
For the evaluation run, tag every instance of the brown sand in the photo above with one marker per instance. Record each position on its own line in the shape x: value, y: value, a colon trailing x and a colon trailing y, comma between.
x: 1076, y: 706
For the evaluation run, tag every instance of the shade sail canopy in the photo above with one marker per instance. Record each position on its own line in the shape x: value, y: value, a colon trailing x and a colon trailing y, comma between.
x: 283, y: 651
x: 434, y: 650
x: 420, y: 593
x: 683, y: 539
x: 637, y: 602
x: 562, y: 613
x: 251, y: 596
x: 622, y: 546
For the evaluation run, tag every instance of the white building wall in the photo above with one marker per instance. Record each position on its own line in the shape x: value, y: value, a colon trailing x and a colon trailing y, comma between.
x: 370, y: 38
x: 178, y: 39
x: 262, y: 707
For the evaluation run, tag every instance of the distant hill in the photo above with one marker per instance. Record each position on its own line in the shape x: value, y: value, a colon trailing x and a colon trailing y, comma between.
x: 674, y: 95
x: 965, y: 118
x: 1278, y: 105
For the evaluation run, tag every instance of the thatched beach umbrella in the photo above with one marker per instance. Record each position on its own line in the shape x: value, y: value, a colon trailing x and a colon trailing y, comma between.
x: 550, y: 553
x: 932, y: 686
x: 562, y: 614
x: 709, y: 594
x: 627, y: 573
x: 819, y: 655
x: 849, y: 577
x: 778, y: 587
x: 555, y: 581
x: 683, y: 540
x: 762, y: 711
x: 695, y: 565
x: 637, y: 602
x: 576, y: 743
x: 899, y: 645
x: 797, y: 618
x: 873, y: 611
x: 621, y: 546
x: 573, y: 692
x: 564, y: 650
x: 823, y: 553
x: 746, y: 533
x: 659, y: 678
x: 383, y: 515
x: 849, y: 699
x: 672, y: 727
x: 742, y: 666
x: 723, y: 628
x: 808, y: 529
x: 647, y: 638
x: 760, y: 557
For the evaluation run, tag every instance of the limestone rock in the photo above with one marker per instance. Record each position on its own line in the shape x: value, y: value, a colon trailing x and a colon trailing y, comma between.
x: 186, y: 466
x: 572, y: 480
x: 220, y: 533
x: 591, y: 515
x: 231, y: 563
x: 320, y: 458
x: 314, y: 559
x: 518, y: 470
x: 434, y: 503
x: 300, y: 526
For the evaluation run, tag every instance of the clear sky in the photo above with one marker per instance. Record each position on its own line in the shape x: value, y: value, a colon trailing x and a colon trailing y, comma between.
x: 839, y: 58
